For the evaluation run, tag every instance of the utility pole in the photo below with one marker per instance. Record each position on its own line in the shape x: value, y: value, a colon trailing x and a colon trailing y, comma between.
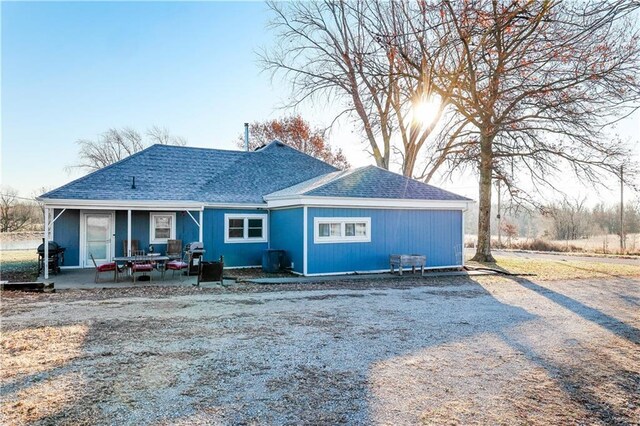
x: 499, y: 218
x: 622, y: 239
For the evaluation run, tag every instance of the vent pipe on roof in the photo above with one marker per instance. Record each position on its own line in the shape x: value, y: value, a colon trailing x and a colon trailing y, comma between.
x: 246, y: 136
x: 133, y: 182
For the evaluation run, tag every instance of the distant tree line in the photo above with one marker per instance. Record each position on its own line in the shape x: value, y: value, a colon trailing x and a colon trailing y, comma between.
x: 572, y: 220
x: 569, y: 219
x: 20, y: 213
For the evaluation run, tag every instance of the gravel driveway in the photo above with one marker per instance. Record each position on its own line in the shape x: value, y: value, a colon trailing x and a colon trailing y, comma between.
x: 488, y: 351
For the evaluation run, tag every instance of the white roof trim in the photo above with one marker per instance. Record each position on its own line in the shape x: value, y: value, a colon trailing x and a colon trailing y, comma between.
x: 272, y: 202
x: 369, y: 203
x: 121, y: 204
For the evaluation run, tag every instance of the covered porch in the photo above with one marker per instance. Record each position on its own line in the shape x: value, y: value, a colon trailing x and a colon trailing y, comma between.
x: 83, y: 279
x: 105, y: 231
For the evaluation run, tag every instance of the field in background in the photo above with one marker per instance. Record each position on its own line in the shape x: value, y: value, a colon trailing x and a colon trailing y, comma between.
x: 600, y: 244
x: 18, y: 265
x: 27, y: 240
x: 604, y: 243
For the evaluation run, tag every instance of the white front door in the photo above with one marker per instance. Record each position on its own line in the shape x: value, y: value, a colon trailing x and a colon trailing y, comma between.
x: 98, y: 238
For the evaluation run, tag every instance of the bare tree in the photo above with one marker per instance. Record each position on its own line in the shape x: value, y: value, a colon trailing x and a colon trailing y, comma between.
x: 341, y: 50
x: 297, y: 133
x: 510, y: 230
x: 117, y: 144
x: 571, y: 219
x: 534, y: 85
x: 14, y: 215
x: 162, y: 136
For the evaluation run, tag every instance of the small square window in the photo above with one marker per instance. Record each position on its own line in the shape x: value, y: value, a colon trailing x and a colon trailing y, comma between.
x: 245, y: 229
x: 329, y: 229
x: 255, y: 228
x: 236, y: 228
x: 349, y: 229
x: 162, y: 227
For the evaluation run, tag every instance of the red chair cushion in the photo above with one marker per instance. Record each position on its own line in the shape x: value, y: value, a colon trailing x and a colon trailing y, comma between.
x: 177, y: 265
x: 143, y: 267
x: 107, y: 267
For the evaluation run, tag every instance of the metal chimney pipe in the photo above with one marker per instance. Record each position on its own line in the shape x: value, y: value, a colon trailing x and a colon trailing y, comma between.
x: 246, y: 136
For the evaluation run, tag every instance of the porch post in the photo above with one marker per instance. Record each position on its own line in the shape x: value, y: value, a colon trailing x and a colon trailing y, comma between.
x: 129, y: 232
x: 200, y: 227
x: 45, y: 261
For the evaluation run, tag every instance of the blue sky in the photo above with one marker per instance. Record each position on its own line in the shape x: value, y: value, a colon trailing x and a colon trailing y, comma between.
x: 73, y: 70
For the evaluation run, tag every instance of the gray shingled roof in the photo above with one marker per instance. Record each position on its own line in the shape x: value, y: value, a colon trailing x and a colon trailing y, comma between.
x: 172, y: 173
x: 368, y: 182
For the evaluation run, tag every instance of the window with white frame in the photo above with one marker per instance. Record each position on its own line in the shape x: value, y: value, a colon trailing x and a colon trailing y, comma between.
x: 162, y: 227
x: 245, y: 228
x: 342, y: 230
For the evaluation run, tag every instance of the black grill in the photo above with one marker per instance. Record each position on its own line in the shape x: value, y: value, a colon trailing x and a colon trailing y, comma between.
x: 56, y: 256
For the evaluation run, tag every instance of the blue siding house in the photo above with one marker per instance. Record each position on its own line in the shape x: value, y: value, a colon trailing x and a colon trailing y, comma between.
x: 239, y: 204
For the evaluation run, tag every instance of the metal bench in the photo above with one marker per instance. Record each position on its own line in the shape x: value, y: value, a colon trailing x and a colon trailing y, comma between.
x: 407, y: 260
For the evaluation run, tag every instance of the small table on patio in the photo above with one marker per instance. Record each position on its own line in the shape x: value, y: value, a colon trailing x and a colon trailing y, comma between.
x: 147, y: 257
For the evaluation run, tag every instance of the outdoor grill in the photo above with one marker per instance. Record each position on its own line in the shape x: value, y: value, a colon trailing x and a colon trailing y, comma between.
x: 194, y: 252
x: 56, y: 256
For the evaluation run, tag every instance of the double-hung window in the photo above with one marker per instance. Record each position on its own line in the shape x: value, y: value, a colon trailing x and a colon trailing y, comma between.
x: 245, y: 228
x: 342, y: 230
x: 162, y: 227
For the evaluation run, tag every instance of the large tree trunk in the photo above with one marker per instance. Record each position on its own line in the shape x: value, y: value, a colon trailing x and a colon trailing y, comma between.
x: 483, y: 250
x: 410, y: 157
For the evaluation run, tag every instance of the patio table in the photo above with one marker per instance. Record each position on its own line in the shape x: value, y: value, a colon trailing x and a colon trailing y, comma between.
x: 147, y: 257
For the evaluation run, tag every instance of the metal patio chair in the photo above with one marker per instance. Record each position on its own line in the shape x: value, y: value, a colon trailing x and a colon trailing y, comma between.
x: 141, y: 265
x: 105, y: 267
x: 177, y: 265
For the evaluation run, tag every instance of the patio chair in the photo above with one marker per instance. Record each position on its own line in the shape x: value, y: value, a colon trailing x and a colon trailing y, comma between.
x: 177, y: 265
x: 134, y: 247
x: 141, y: 265
x: 174, y: 249
x: 105, y: 267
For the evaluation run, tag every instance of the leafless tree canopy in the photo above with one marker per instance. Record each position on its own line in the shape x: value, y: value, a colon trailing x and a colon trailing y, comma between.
x: 542, y: 79
x: 14, y: 215
x: 338, y: 50
x: 117, y: 144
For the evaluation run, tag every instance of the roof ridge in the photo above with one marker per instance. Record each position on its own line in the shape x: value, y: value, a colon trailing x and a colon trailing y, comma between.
x: 215, y: 175
x: 341, y: 174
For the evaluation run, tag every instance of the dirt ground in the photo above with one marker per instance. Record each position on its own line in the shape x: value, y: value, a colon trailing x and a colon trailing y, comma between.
x: 456, y: 351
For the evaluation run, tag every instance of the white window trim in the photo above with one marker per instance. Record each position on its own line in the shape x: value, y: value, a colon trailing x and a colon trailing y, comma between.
x: 245, y: 238
x: 317, y: 239
x: 152, y: 239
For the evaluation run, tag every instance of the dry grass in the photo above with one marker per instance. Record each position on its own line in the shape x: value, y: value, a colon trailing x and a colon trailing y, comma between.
x: 547, y: 269
x: 32, y: 350
x: 33, y: 362
x: 603, y: 243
